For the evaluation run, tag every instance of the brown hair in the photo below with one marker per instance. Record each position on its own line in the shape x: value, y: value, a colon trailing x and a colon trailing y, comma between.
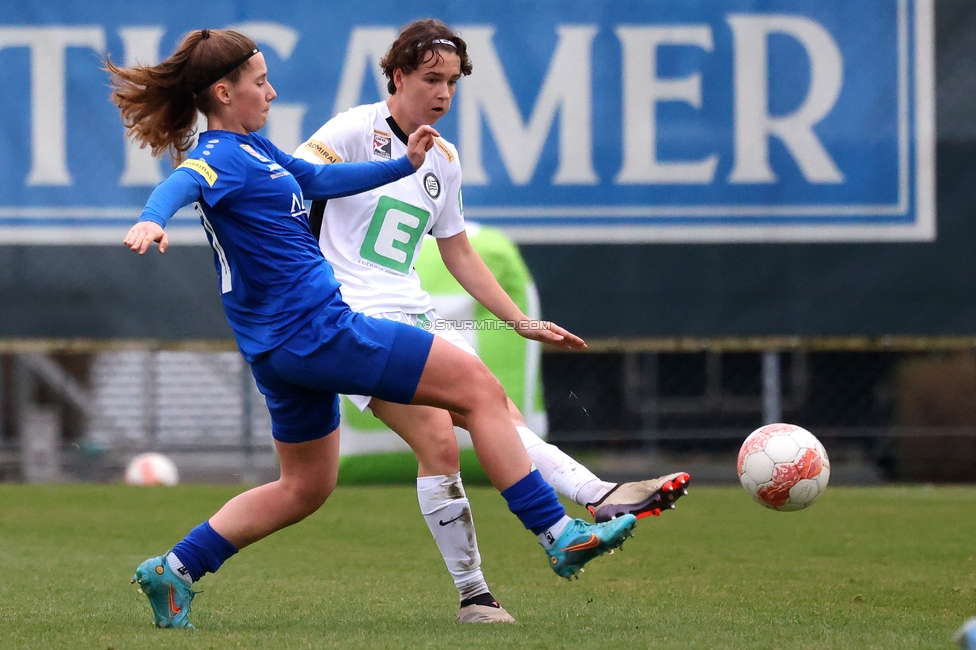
x: 159, y: 103
x: 418, y: 43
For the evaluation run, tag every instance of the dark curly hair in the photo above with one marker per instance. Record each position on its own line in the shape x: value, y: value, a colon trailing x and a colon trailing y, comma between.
x: 419, y: 42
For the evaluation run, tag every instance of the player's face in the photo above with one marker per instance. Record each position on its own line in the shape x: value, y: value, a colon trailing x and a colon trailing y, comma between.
x: 252, y: 94
x: 425, y: 94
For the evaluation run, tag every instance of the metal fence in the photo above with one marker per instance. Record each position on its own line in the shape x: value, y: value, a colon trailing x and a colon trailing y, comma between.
x: 887, y: 409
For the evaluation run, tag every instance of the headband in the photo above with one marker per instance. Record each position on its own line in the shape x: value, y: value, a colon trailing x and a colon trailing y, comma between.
x: 223, y: 72
x: 443, y: 41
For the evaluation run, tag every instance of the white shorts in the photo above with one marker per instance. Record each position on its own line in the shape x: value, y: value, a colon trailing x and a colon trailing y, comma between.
x: 429, y: 321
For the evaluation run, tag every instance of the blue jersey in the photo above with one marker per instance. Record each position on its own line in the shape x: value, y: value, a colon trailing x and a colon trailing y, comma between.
x: 272, y: 275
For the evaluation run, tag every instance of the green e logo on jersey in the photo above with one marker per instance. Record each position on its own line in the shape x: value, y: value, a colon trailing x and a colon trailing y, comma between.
x: 393, y: 234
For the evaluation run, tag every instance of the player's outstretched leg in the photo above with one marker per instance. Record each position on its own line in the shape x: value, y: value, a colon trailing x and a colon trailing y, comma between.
x: 604, y: 500
x: 169, y: 594
x: 580, y: 542
x: 640, y: 498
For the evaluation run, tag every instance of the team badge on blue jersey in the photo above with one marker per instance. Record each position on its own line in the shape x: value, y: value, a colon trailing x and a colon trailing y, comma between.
x: 382, y: 144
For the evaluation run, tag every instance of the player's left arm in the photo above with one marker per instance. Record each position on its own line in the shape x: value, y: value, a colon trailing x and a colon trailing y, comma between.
x: 337, y: 181
x: 471, y: 272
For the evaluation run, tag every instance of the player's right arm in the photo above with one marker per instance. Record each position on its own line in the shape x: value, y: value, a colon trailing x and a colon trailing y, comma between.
x: 169, y: 196
x: 208, y: 180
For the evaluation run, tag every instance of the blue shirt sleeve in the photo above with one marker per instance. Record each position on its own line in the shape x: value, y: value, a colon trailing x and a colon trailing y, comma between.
x: 169, y: 196
x: 323, y: 182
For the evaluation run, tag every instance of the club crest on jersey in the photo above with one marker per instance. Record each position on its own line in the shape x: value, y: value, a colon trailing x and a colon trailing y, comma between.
x: 382, y: 144
x: 432, y: 185
x: 248, y: 148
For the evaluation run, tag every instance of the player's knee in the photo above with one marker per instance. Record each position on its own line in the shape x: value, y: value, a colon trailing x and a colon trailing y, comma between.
x: 309, y: 493
x: 444, y: 454
x: 488, y: 390
x: 436, y: 445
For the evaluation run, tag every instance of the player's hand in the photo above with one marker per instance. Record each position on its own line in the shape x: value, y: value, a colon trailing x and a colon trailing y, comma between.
x: 548, y: 332
x: 419, y: 144
x: 143, y: 234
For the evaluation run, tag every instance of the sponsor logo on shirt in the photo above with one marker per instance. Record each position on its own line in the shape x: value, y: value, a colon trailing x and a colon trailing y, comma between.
x: 248, y: 148
x: 444, y: 150
x: 298, y: 206
x: 323, y: 152
x: 382, y: 144
x: 431, y: 185
x: 278, y: 170
x: 201, y: 168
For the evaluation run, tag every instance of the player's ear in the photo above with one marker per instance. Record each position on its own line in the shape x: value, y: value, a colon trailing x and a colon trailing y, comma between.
x: 221, y: 92
x: 398, y: 78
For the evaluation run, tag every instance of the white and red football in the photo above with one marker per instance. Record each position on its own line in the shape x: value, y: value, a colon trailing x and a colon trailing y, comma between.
x: 151, y: 469
x: 783, y: 467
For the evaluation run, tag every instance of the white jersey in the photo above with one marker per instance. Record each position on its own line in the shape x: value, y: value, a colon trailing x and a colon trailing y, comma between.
x: 371, y: 239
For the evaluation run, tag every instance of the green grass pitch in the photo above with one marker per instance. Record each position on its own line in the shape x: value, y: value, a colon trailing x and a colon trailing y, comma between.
x: 885, y: 568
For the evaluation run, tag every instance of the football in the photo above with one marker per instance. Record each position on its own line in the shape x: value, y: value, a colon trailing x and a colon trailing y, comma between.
x: 151, y: 469
x: 783, y: 467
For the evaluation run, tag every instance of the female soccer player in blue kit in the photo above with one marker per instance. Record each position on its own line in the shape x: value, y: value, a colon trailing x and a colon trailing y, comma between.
x: 304, y: 345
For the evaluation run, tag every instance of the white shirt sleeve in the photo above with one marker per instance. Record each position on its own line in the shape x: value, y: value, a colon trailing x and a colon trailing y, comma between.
x: 451, y: 220
x: 341, y: 139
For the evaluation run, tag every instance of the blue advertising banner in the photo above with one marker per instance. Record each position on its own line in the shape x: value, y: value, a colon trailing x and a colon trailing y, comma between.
x: 596, y: 121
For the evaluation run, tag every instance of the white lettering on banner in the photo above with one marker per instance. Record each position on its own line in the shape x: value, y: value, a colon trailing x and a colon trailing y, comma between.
x: 714, y: 126
x: 643, y: 90
x: 567, y: 88
x: 141, y: 46
x: 284, y: 118
x: 366, y: 47
x: 753, y: 123
x: 48, y: 125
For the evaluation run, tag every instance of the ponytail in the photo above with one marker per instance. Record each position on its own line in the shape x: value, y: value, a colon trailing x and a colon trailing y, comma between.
x: 159, y: 104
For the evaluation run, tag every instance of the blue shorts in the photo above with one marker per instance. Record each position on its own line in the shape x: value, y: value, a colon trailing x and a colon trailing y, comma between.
x: 302, y: 379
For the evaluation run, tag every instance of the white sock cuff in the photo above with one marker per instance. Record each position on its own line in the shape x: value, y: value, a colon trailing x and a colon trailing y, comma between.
x: 529, y: 438
x: 177, y: 567
x: 549, y: 536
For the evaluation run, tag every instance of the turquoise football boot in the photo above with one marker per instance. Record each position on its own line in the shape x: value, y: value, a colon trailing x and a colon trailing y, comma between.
x: 169, y: 595
x: 582, y: 541
x: 966, y: 636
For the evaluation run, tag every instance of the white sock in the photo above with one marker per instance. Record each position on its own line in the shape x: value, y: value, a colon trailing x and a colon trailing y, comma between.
x: 549, y: 536
x: 178, y: 568
x: 448, y: 515
x: 566, y: 476
x: 593, y: 491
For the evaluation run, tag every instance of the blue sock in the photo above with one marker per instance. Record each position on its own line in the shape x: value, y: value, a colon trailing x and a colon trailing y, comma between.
x: 534, y: 502
x: 203, y: 550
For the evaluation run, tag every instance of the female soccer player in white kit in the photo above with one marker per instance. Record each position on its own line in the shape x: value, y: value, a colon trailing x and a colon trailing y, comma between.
x: 371, y: 239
